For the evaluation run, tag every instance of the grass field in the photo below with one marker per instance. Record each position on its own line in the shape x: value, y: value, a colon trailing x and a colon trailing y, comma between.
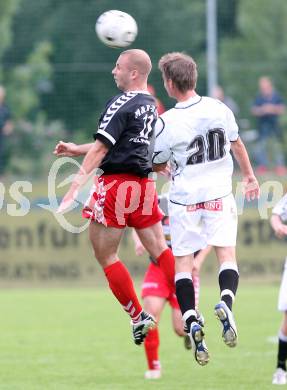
x: 80, y: 339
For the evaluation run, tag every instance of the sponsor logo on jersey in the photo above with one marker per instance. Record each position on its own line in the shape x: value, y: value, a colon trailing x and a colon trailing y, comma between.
x: 147, y: 108
x: 211, y: 205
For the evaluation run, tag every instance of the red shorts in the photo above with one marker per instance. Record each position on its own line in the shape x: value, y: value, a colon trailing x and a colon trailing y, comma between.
x: 156, y: 285
x: 123, y: 200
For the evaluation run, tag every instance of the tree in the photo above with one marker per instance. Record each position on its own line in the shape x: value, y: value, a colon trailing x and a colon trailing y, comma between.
x: 260, y: 48
x: 82, y: 65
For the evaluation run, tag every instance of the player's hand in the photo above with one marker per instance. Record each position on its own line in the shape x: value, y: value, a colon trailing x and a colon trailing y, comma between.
x: 251, y: 188
x: 166, y: 171
x: 68, y: 200
x: 281, y: 230
x: 67, y: 149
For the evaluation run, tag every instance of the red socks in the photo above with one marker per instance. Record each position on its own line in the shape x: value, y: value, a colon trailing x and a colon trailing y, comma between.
x: 151, y: 345
x: 122, y: 286
x: 166, y: 263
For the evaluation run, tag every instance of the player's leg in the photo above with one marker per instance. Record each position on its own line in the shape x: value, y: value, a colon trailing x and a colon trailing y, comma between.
x: 220, y: 226
x: 153, y: 305
x: 155, y: 291
x: 280, y: 377
x: 228, y: 279
x: 228, y: 276
x: 105, y: 242
x: 186, y: 299
x: 152, y: 238
x: 147, y: 222
x: 177, y: 322
x: 199, y: 258
x: 178, y: 325
x: 186, y: 239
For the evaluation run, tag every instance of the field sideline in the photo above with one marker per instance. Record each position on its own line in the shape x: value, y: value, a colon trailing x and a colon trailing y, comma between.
x: 80, y: 339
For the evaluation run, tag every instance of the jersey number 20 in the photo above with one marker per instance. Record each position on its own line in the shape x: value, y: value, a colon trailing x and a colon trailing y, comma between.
x: 210, y: 148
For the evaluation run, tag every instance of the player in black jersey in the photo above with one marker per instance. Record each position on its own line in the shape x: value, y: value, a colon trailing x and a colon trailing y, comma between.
x: 124, y: 195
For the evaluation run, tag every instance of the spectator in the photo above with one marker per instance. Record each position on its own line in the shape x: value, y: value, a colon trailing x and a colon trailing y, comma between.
x: 159, y: 104
x: 218, y: 93
x: 267, y: 107
x: 6, y: 126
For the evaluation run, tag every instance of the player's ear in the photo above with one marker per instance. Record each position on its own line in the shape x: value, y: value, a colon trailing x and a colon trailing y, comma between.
x: 134, y: 74
x: 170, y: 84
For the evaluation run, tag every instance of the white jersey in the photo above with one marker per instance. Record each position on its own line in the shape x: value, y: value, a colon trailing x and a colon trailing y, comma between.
x: 195, y: 136
x: 281, y: 208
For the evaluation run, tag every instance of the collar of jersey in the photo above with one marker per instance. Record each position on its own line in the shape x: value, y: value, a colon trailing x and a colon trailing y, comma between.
x: 189, y: 102
x: 145, y: 92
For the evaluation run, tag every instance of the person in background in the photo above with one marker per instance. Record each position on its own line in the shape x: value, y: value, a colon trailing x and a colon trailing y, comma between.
x: 267, y: 108
x: 6, y: 127
x: 278, y: 222
x: 218, y: 93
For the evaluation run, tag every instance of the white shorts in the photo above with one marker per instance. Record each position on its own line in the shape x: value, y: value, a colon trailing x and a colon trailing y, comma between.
x: 282, y: 301
x: 209, y: 223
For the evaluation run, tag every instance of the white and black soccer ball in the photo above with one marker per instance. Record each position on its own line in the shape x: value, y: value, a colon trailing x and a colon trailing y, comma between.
x: 116, y: 28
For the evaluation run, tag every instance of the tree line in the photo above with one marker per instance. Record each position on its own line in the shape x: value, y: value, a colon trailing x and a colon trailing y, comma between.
x: 58, y: 74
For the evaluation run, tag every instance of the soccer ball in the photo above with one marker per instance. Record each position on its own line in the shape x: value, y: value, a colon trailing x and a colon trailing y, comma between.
x: 116, y: 28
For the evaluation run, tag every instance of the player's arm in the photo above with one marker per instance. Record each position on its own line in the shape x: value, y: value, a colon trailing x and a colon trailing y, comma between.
x: 105, y: 138
x: 92, y: 160
x: 274, y: 108
x: 162, y: 152
x: 251, y: 186
x: 257, y: 110
x: 69, y: 149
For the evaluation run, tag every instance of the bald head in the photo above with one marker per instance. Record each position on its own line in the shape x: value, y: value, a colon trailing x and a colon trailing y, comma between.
x: 138, y: 60
x: 132, y: 69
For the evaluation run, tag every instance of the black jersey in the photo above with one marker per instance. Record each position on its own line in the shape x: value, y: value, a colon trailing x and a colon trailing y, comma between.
x: 127, y: 128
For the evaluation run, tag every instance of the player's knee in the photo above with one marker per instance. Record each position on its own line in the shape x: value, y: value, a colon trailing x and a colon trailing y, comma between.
x: 153, y: 311
x: 105, y: 261
x: 157, y: 248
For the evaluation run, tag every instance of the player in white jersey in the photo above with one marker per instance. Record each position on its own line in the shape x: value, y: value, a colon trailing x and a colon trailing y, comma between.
x: 156, y: 292
x: 196, y: 137
x: 278, y: 223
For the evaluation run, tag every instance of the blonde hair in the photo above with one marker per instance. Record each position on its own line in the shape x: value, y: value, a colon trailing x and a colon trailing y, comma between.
x: 180, y: 68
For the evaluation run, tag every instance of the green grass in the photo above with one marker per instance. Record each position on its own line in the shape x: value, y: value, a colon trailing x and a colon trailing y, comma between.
x: 80, y: 339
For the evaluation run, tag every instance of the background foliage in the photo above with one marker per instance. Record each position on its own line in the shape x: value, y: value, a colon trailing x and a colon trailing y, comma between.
x: 54, y: 66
